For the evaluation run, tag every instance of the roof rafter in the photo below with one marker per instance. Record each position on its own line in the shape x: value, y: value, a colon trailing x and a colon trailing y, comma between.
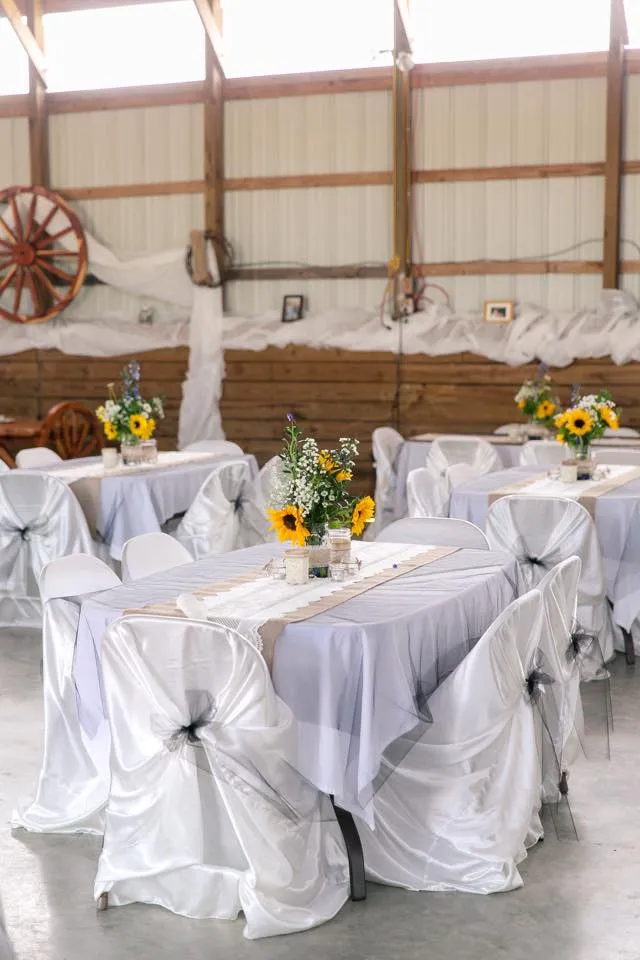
x: 26, y: 38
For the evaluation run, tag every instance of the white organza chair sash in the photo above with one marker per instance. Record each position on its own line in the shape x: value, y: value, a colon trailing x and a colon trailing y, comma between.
x: 227, y: 513
x: 203, y: 782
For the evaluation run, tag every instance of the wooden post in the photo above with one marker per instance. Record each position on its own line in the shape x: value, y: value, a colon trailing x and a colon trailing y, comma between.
x: 213, y: 133
x: 38, y: 114
x: 401, y: 113
x: 613, y: 156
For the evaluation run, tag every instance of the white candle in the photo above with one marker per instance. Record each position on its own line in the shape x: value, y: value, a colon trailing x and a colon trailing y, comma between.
x: 296, y: 566
x: 110, y: 458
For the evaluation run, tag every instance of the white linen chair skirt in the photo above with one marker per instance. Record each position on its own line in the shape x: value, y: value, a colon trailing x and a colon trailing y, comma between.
x: 456, y: 814
x: 206, y: 816
x: 542, y: 531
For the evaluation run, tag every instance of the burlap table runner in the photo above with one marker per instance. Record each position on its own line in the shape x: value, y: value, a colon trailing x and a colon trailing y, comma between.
x: 271, y: 629
x: 593, y: 489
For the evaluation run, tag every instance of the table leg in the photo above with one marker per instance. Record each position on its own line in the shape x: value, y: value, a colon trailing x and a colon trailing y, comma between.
x: 354, y: 852
x: 629, y: 649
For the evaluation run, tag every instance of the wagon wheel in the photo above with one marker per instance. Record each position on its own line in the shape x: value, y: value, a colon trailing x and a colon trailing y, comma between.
x: 43, y: 254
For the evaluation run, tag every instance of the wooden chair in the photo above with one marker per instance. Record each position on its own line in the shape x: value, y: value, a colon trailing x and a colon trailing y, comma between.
x: 72, y: 430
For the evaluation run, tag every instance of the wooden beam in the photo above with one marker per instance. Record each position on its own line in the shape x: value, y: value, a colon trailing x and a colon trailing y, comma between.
x: 38, y: 114
x: 401, y: 178
x: 214, y: 133
x: 402, y: 29
x: 121, y: 191
x: 30, y: 43
x: 613, y: 154
x: 349, y: 272
x: 210, y: 14
x: 493, y: 268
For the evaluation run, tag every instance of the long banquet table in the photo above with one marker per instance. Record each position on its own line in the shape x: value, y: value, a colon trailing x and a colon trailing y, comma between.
x: 123, y: 503
x: 413, y: 454
x: 350, y: 673
x: 617, y: 520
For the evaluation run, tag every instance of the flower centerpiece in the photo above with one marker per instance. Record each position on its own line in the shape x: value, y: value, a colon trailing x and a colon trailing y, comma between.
x: 537, y: 400
x: 312, y: 495
x: 583, y: 422
x: 128, y: 417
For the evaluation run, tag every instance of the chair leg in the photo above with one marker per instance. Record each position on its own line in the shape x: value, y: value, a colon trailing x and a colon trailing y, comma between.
x: 629, y: 649
x: 103, y: 902
x: 563, y: 786
x: 354, y: 852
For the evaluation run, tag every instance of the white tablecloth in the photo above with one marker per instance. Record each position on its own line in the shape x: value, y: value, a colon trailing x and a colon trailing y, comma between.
x: 617, y: 518
x: 349, y: 674
x: 413, y: 454
x: 140, y: 501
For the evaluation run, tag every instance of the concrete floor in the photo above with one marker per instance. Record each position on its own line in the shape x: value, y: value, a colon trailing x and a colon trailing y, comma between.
x: 581, y: 899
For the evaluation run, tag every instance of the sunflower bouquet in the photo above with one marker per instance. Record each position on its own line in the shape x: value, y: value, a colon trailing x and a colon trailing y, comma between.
x: 585, y: 421
x: 537, y: 400
x: 312, y: 493
x: 129, y: 417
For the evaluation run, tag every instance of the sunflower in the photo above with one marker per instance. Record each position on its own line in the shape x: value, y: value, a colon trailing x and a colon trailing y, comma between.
x: 545, y: 410
x: 138, y: 425
x: 362, y: 513
x: 343, y: 475
x: 609, y: 416
x: 288, y: 523
x: 560, y: 437
x: 560, y: 419
x: 326, y: 462
x: 579, y: 422
x: 521, y: 404
x: 110, y: 431
x: 149, y: 427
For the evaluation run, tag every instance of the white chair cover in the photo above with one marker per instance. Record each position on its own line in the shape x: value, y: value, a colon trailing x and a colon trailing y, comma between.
x: 226, y: 513
x: 150, y: 553
x: 459, y: 474
x: 444, y: 452
x: 508, y: 429
x: 542, y: 453
x: 36, y: 457
x: 269, y: 476
x: 74, y: 777
x: 435, y: 531
x: 456, y: 813
x: 621, y: 432
x: 605, y: 455
x: 6, y: 950
x: 426, y: 496
x: 542, y: 531
x: 206, y: 816
x: 560, y: 722
x: 385, y: 443
x: 40, y: 519
x: 222, y: 448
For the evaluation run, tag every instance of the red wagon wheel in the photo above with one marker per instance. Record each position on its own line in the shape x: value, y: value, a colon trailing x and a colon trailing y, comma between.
x: 43, y: 254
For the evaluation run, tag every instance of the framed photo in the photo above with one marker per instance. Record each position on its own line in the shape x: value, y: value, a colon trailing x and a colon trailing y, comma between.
x: 499, y: 311
x: 292, y: 307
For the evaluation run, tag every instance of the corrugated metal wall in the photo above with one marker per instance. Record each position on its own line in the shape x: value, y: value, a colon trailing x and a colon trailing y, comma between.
x: 14, y: 151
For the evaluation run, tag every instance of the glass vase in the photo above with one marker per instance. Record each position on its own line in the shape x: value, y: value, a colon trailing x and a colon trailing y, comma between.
x: 138, y: 453
x: 584, y: 461
x: 339, y: 542
x: 319, y: 552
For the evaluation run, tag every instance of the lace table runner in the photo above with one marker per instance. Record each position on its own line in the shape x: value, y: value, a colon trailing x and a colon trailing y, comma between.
x: 268, y: 605
x: 586, y: 492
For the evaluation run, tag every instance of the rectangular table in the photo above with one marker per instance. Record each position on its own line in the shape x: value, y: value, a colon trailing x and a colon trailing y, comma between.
x: 120, y: 504
x: 351, y: 675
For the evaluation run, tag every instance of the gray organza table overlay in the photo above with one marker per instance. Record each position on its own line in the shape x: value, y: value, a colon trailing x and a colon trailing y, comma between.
x: 351, y: 675
x: 617, y: 519
x: 140, y: 502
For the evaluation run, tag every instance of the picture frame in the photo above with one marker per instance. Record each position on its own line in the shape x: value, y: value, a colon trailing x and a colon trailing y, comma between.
x: 498, y: 311
x: 292, y: 307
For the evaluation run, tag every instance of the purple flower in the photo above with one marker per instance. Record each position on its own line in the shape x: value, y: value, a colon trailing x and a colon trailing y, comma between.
x: 291, y: 418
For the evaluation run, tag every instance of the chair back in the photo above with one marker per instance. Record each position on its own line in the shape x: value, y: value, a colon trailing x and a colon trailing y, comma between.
x: 33, y: 457
x: 621, y: 432
x: 508, y: 429
x: 435, y: 531
x: 72, y: 430
x: 385, y: 445
x: 542, y: 453
x: 445, y: 452
x: 605, y: 455
x: 459, y: 474
x: 426, y: 496
x: 221, y: 448
x: 225, y: 514
x: 202, y: 742
x: 269, y: 476
x: 151, y: 553
x: 75, y: 575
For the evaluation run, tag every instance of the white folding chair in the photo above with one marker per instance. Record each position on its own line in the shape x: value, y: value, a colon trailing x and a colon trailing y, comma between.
x: 40, y: 519
x: 207, y: 815
x: 225, y: 514
x: 605, y: 455
x: 74, y: 777
x: 446, y: 452
x: 542, y: 453
x: 150, y: 553
x: 385, y: 444
x: 36, y: 457
x: 542, y: 531
x: 426, y: 496
x: 455, y: 813
x: 621, y: 432
x: 560, y: 723
x: 221, y: 448
x: 435, y: 531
